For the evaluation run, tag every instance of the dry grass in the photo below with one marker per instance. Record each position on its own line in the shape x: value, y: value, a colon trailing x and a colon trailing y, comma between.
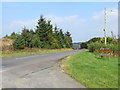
x: 6, y: 44
x: 30, y: 51
x: 9, y: 51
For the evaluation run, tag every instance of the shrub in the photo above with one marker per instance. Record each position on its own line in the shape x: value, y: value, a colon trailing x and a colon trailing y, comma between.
x: 95, y: 47
x: 109, y: 40
x: 19, y: 43
x: 95, y: 39
x: 114, y: 48
x: 84, y: 45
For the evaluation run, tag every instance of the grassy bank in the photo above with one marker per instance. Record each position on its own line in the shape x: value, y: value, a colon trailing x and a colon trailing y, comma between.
x: 33, y: 51
x: 91, y: 70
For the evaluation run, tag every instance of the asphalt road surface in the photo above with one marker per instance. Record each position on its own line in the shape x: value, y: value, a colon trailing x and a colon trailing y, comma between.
x: 37, y: 71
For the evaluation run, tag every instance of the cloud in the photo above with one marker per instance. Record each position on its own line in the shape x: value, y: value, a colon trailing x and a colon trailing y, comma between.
x: 110, y: 13
x: 111, y: 21
x: 74, y: 24
x: 66, y: 23
x: 68, y: 19
x: 81, y: 29
x: 16, y: 26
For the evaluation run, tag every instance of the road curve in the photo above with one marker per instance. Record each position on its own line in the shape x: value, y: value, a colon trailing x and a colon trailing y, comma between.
x: 37, y: 71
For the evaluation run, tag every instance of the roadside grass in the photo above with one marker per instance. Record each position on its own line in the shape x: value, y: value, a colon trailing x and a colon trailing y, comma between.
x: 33, y: 51
x: 91, y: 70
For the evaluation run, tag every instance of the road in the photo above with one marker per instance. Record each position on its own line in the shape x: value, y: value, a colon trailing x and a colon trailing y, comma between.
x: 37, y: 71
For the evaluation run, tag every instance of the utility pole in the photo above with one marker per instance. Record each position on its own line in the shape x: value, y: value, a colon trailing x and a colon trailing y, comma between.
x: 112, y: 35
x: 105, y: 26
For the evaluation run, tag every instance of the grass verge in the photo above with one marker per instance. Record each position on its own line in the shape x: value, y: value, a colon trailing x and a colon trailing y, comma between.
x: 24, y: 52
x: 91, y: 70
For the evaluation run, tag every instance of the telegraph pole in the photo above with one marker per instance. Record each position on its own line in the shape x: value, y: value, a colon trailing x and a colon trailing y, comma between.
x: 112, y: 35
x: 105, y: 26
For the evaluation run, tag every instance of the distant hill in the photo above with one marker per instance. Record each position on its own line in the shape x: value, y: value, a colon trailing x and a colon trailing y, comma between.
x: 76, y: 45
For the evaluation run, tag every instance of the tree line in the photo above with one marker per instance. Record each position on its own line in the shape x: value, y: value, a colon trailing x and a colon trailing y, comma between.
x: 45, y: 35
x: 99, y: 40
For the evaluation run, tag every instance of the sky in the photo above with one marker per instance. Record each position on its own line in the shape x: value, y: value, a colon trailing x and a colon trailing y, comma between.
x: 84, y: 20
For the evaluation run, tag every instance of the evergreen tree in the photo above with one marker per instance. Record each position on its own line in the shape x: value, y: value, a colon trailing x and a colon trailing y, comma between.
x: 61, y: 39
x: 50, y: 36
x: 41, y: 31
x: 12, y: 36
x: 68, y: 39
x: 55, y: 41
x: 19, y: 42
x: 26, y: 36
x: 32, y: 32
x: 6, y: 36
x: 44, y: 36
x: 35, y: 42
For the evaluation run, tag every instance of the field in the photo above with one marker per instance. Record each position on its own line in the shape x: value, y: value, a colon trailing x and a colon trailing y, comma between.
x: 91, y: 70
x: 9, y: 51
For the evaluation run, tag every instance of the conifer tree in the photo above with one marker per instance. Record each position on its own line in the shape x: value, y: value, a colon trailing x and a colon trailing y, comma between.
x: 41, y: 31
x: 44, y: 36
x: 68, y: 39
x: 26, y: 36
x: 55, y: 42
x: 61, y: 39
x: 49, y: 35
x: 32, y: 32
